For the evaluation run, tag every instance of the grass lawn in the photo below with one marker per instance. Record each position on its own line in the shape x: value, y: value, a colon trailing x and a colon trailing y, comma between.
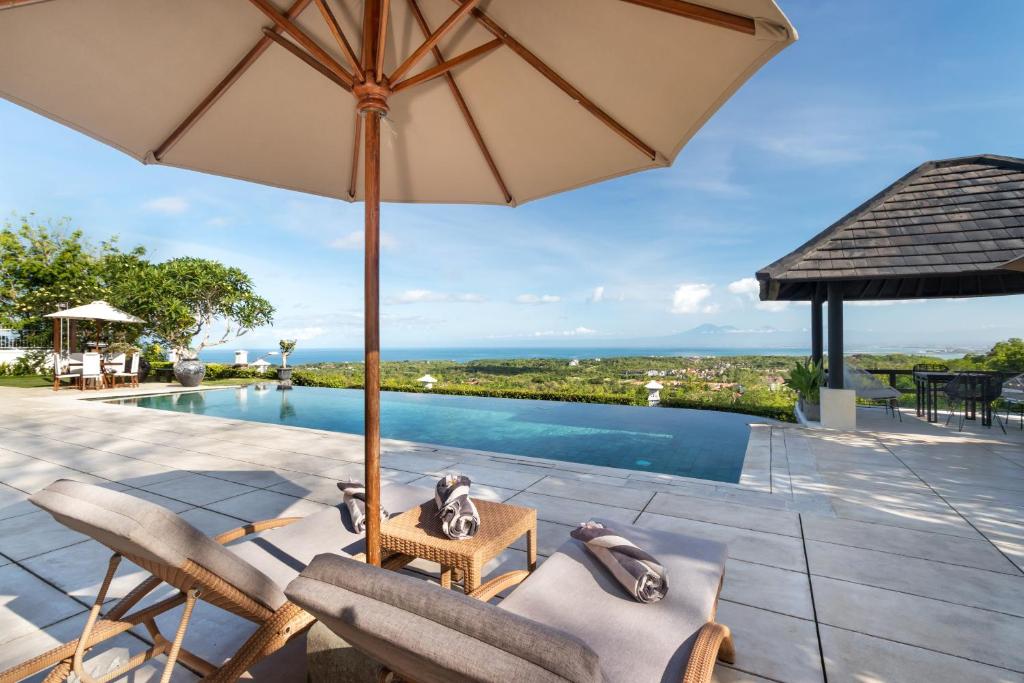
x: 26, y: 382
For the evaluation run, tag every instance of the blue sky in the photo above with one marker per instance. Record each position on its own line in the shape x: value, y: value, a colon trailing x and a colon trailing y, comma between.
x: 871, y: 90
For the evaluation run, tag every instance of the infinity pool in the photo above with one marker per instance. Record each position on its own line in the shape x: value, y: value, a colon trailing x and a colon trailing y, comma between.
x: 691, y: 443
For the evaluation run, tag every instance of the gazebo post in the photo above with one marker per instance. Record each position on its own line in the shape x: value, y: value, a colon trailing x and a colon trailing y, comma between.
x: 817, y: 336
x: 56, y: 339
x: 835, y: 335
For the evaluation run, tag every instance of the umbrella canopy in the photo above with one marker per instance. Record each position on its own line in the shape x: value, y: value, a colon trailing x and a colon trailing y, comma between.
x: 1015, y: 264
x: 97, y: 310
x: 487, y: 101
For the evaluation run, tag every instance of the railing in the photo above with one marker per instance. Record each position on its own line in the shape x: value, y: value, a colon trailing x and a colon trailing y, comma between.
x: 11, y: 338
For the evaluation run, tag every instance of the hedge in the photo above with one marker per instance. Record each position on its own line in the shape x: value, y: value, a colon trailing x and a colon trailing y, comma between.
x: 213, y: 371
x: 316, y: 379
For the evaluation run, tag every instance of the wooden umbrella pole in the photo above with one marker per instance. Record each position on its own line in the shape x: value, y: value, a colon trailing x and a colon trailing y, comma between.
x: 372, y: 105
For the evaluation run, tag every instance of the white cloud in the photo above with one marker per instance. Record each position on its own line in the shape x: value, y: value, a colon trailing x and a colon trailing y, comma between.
x: 355, y: 239
x: 217, y: 222
x: 424, y: 296
x: 576, y: 332
x: 747, y: 287
x: 167, y: 205
x: 534, y: 299
x: 302, y: 333
x: 689, y: 297
x: 598, y: 295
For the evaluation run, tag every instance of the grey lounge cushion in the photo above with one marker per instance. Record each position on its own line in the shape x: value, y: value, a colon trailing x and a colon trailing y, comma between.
x: 636, y: 642
x: 259, y: 566
x: 138, y: 527
x: 432, y: 635
x: 283, y: 552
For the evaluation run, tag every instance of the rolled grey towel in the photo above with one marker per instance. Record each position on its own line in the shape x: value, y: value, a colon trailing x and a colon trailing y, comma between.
x: 459, y: 517
x: 354, y: 496
x: 640, y: 573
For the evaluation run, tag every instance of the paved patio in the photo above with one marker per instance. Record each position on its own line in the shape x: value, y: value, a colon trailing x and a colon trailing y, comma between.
x: 894, y: 553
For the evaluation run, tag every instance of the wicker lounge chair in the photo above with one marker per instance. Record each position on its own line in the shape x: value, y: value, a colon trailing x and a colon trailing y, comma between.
x: 569, y: 621
x: 246, y: 579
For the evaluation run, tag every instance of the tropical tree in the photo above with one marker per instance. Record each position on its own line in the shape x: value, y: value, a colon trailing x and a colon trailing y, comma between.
x: 188, y: 299
x: 1006, y: 355
x: 286, y: 346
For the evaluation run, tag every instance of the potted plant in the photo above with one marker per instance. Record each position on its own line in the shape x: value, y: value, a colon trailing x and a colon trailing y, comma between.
x: 806, y: 379
x: 287, y: 346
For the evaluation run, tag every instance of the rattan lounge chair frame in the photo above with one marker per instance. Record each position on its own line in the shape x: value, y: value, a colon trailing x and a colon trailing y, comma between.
x: 275, y: 627
x: 714, y: 641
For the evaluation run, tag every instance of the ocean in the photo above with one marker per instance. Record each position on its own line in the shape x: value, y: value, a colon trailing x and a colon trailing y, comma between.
x: 305, y: 356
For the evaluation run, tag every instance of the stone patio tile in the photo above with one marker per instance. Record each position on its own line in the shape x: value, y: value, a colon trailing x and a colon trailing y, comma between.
x: 198, y: 489
x: 904, y: 517
x: 14, y: 502
x: 968, y: 552
x: 30, y: 604
x: 733, y: 514
x: 770, y: 588
x: 209, y: 522
x: 79, y: 571
x: 259, y: 505
x: 968, y: 632
x: 518, y: 479
x: 34, y: 534
x: 421, y: 464
x: 775, y: 646
x: 751, y: 546
x: 572, y: 512
x: 38, y: 474
x: 952, y: 583
x: 618, y: 496
x: 853, y: 656
x: 357, y: 472
x: 549, y: 537
x: 726, y: 674
x: 103, y: 659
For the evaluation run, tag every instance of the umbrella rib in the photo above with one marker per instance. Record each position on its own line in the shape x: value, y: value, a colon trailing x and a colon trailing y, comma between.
x: 385, y: 8
x: 564, y: 85
x: 707, y: 15
x: 236, y: 72
x: 355, y: 158
x: 306, y: 57
x: 446, y: 66
x: 465, y: 6
x: 463, y: 106
x: 339, y: 36
x: 303, y: 39
x: 9, y: 4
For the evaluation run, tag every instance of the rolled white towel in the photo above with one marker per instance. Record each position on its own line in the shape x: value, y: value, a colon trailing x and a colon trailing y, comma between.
x: 641, y: 574
x: 354, y: 496
x: 459, y: 517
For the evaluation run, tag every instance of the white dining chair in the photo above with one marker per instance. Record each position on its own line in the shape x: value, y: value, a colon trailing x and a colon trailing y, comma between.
x: 91, y: 371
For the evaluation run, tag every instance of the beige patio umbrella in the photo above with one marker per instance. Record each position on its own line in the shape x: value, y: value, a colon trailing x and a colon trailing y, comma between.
x: 486, y: 101
x: 99, y: 311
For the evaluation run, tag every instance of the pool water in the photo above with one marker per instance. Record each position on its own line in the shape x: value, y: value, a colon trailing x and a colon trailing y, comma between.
x: 691, y: 443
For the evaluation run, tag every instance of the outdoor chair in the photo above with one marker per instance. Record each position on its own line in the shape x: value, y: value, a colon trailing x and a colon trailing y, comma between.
x: 246, y: 578
x: 91, y: 370
x: 1013, y: 395
x: 128, y: 374
x: 870, y: 388
x: 569, y: 621
x: 967, y: 388
x: 62, y: 372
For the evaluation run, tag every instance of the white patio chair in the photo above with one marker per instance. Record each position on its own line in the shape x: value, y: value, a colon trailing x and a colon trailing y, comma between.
x: 869, y: 387
x: 91, y: 371
x: 128, y: 374
x: 114, y: 363
x: 62, y: 371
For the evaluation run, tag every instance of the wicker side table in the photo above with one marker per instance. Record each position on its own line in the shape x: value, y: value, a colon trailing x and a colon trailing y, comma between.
x: 417, y: 533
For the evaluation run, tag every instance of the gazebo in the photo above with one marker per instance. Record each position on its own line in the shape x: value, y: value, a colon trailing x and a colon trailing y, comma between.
x: 97, y: 311
x: 948, y: 229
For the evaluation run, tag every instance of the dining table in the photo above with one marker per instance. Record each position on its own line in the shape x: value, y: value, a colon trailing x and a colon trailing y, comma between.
x: 928, y: 384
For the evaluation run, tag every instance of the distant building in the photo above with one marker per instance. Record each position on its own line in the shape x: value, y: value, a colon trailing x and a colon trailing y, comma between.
x: 427, y: 381
x: 260, y: 366
x: 574, y: 363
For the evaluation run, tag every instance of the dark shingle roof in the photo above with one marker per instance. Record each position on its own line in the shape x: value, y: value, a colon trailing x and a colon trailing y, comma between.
x: 944, y: 229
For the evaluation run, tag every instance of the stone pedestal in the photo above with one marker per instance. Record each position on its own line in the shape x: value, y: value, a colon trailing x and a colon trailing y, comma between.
x: 839, y: 408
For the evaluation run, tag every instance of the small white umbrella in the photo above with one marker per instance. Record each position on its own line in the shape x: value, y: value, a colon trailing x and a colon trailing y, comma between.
x: 427, y: 381
x: 100, y: 311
